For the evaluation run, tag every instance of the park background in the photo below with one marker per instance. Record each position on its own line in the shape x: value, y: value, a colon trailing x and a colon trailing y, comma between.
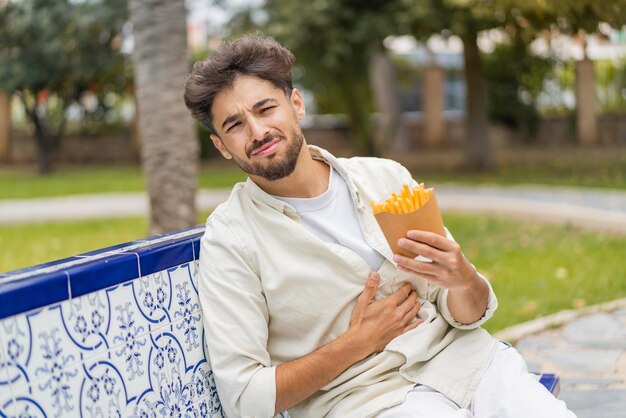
x: 513, y: 107
x: 497, y: 92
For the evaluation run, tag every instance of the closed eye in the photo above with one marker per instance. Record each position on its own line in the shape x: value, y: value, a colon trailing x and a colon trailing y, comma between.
x: 266, y: 108
x: 234, y: 125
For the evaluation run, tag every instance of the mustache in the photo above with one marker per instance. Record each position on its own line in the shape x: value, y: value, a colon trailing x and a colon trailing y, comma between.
x: 258, y: 144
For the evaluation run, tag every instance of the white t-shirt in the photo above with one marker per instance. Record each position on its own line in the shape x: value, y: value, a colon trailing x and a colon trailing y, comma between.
x: 331, y: 217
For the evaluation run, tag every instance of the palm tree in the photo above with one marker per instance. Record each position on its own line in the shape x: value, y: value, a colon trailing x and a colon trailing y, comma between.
x: 169, y: 147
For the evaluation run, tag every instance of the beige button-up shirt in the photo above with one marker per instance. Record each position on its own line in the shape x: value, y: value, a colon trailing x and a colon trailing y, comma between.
x: 272, y: 292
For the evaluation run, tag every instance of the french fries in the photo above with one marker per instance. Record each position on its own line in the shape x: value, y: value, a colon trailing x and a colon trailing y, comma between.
x: 408, y: 200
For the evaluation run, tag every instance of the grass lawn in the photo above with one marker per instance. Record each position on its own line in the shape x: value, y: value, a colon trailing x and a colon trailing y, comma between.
x: 56, y: 240
x: 579, y: 166
x: 535, y: 269
x: 26, y: 183
x: 608, y: 175
x: 568, y: 166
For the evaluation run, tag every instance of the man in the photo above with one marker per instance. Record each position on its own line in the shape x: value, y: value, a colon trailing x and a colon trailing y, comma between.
x: 305, y: 307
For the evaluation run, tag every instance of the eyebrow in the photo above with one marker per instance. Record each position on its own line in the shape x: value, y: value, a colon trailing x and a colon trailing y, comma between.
x: 258, y: 104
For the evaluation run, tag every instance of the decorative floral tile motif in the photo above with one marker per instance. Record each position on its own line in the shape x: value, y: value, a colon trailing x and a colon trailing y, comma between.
x: 134, y: 349
x: 153, y: 295
x: 39, y: 349
x: 87, y: 320
x: 15, y: 337
x: 23, y: 407
x: 127, y: 322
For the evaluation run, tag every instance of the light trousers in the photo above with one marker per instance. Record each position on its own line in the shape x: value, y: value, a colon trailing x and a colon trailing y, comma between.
x: 506, y: 390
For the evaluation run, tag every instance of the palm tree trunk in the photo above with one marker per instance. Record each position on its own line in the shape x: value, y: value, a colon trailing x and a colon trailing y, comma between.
x: 169, y: 145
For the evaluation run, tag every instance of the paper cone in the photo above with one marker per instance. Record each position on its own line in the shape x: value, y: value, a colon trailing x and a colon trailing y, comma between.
x: 426, y: 218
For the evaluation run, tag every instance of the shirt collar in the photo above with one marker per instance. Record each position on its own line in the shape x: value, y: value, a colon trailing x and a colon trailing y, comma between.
x: 256, y: 193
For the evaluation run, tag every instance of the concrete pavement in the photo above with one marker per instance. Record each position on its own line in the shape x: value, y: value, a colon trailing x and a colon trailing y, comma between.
x: 587, y: 208
x: 587, y: 349
x: 91, y: 206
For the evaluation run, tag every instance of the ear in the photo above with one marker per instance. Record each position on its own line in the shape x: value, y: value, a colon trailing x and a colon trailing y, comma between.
x: 217, y: 142
x: 298, y: 103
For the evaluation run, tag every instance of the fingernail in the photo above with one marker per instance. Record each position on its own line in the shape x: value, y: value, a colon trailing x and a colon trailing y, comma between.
x: 396, y: 258
x: 410, y: 234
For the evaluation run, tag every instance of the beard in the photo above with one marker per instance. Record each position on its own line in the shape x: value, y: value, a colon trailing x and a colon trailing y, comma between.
x: 275, y: 168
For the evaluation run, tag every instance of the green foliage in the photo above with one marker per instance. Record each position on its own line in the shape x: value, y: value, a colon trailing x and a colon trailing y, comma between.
x: 611, y: 85
x: 514, y: 80
x: 54, y: 53
x: 63, y: 47
x: 560, y: 81
x: 574, y: 16
x: 333, y: 42
x: 566, y: 16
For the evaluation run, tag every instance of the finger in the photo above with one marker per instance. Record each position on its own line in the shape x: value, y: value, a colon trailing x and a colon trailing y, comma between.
x: 401, y: 294
x: 413, y: 325
x: 371, y: 286
x: 429, y: 277
x: 415, y: 266
x: 435, y: 280
x: 409, y: 303
x: 412, y: 313
x: 422, y: 249
x: 431, y: 239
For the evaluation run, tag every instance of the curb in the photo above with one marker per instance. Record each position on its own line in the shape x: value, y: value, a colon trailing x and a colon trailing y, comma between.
x: 516, y: 332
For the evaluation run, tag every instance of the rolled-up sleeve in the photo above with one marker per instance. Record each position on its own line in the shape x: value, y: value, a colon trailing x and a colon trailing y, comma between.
x: 492, y: 304
x: 236, y: 325
x: 442, y: 302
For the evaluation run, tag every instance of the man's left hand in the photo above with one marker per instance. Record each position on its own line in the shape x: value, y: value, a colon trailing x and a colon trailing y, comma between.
x: 449, y: 268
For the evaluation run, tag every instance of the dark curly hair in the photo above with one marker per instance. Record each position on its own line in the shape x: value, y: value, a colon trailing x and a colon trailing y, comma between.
x: 252, y: 55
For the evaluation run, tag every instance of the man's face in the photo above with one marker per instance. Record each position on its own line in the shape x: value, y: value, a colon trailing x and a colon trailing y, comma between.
x: 258, y: 127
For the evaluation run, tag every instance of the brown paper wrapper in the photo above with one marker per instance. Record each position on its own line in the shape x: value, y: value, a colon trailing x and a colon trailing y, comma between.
x: 426, y: 218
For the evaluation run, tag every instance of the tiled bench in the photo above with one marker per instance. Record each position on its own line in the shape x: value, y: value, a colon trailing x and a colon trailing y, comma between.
x: 114, y: 332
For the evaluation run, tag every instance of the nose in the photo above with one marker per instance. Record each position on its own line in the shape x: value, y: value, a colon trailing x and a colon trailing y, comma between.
x: 258, y: 130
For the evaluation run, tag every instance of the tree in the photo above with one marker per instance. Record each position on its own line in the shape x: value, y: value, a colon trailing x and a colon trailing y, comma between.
x: 335, y: 40
x: 53, y: 53
x: 515, y: 78
x: 465, y: 19
x: 578, y: 18
x: 336, y: 43
x: 169, y: 143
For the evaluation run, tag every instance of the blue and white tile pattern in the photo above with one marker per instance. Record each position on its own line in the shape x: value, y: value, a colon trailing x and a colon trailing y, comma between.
x: 113, y: 333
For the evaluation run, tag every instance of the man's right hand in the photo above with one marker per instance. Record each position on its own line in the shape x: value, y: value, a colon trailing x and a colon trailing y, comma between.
x: 374, y: 323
